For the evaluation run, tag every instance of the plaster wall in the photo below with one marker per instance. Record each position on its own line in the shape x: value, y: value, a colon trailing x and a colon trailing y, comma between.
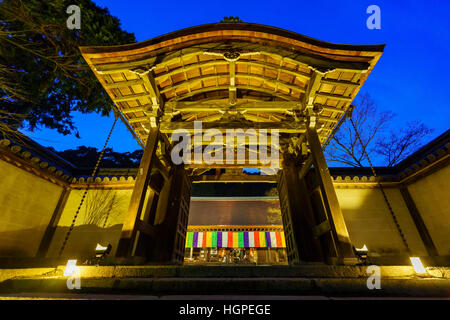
x: 27, y: 203
x: 431, y: 195
x: 99, y: 221
x: 369, y: 221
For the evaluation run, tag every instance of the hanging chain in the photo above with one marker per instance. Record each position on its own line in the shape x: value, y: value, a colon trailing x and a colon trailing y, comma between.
x: 381, y: 187
x: 87, y: 188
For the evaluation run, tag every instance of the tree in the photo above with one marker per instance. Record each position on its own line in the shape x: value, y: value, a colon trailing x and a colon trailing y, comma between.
x: 86, y: 157
x: 401, y: 143
x: 378, y: 140
x: 43, y: 76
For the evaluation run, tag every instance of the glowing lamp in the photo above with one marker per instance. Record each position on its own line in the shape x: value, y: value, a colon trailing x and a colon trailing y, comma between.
x: 71, y: 268
x: 417, y: 265
x: 101, y: 251
x: 99, y: 247
x: 361, y: 253
x: 363, y: 249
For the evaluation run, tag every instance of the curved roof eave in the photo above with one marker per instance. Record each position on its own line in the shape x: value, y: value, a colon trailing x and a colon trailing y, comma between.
x: 251, y: 27
x: 141, y: 77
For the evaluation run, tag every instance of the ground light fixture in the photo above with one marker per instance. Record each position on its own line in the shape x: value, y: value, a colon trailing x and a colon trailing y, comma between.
x: 362, y: 253
x: 101, y: 251
x: 100, y: 248
x: 363, y: 249
x: 417, y: 265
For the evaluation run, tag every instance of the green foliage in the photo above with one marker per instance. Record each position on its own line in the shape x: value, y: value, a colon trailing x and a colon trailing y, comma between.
x: 86, y: 157
x: 42, y: 73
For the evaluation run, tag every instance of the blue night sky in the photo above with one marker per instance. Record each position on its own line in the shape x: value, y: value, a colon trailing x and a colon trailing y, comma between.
x: 411, y: 79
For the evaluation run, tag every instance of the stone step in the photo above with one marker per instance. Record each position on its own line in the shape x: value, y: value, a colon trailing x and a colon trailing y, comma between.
x: 323, y: 280
x: 233, y: 286
x: 303, y: 271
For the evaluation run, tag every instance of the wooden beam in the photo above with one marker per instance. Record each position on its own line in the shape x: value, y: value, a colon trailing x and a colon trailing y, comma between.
x: 145, y: 228
x: 171, y: 224
x: 266, y: 107
x: 321, y: 229
x: 130, y: 97
x: 329, y: 109
x: 252, y: 140
x: 339, y: 232
x: 143, y: 108
x: 194, y: 116
x: 305, y: 167
x: 122, y: 84
x: 138, y: 119
x: 418, y: 221
x: 283, y: 127
x: 152, y: 88
x: 232, y: 88
x: 259, y: 117
x: 298, y: 216
x: 151, y: 62
x: 339, y: 83
x: 163, y: 76
x: 53, y: 223
x: 241, y: 87
x: 260, y: 106
x: 295, y: 73
x: 128, y: 236
x: 225, y: 165
x: 242, y: 178
x: 333, y: 96
x: 305, y: 60
x: 327, y: 119
x: 313, y: 86
x: 193, y: 81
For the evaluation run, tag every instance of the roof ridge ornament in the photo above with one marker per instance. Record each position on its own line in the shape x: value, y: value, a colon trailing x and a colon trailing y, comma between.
x: 231, y: 19
x: 231, y: 55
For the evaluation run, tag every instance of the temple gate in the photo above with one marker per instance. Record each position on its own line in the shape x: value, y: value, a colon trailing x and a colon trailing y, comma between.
x: 233, y: 76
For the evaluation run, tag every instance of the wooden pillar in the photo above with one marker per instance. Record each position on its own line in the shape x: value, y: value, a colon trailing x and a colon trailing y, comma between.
x: 53, y: 224
x: 298, y: 217
x: 418, y: 221
x: 341, y: 245
x: 168, y: 245
x: 132, y: 221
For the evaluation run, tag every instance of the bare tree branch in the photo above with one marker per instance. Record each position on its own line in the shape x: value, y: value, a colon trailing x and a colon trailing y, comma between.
x: 402, y: 142
x: 372, y: 126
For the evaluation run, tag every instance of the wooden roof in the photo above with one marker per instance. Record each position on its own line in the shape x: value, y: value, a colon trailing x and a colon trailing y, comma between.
x: 226, y: 72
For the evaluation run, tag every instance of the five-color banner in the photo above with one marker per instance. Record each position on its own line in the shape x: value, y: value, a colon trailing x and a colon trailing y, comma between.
x: 256, y: 239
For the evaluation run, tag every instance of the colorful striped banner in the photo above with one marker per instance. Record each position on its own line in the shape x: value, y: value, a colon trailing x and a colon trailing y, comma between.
x: 262, y: 239
x: 229, y: 239
x: 209, y: 239
x: 189, y: 239
x: 214, y: 240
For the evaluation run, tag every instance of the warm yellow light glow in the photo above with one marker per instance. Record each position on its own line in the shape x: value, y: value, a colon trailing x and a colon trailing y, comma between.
x: 364, y: 249
x: 100, y: 247
x: 417, y: 265
x: 71, y: 267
